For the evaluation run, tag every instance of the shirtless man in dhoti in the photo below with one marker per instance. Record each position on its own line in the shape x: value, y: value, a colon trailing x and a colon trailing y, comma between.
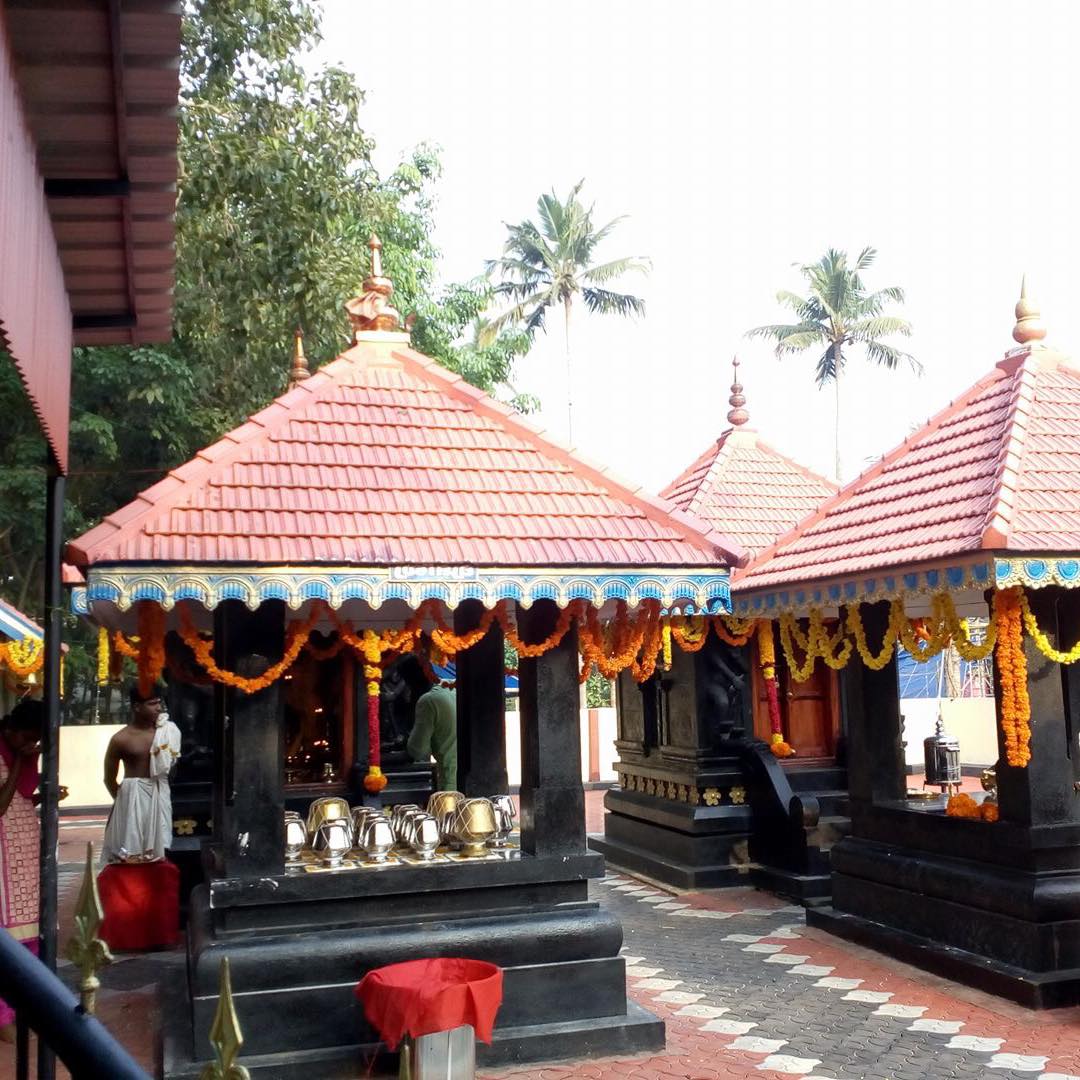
x: 140, y: 825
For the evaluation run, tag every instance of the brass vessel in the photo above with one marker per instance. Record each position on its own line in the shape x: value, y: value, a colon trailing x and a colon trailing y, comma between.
x: 441, y: 802
x: 474, y: 825
x: 330, y: 808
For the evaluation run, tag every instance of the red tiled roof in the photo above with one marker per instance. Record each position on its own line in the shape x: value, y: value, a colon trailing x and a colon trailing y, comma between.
x: 998, y: 470
x: 747, y: 490
x: 384, y: 458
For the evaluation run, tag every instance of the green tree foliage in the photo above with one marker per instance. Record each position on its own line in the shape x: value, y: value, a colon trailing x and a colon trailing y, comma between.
x: 277, y: 197
x: 552, y: 262
x: 837, y: 312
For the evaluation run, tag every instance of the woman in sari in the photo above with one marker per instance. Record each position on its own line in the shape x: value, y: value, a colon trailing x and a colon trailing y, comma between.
x: 20, y: 736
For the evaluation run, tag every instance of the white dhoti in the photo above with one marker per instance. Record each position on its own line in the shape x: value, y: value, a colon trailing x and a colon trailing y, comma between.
x: 140, y: 825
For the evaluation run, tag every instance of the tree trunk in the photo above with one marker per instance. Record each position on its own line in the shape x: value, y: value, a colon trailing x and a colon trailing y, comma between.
x: 569, y: 386
x: 837, y: 360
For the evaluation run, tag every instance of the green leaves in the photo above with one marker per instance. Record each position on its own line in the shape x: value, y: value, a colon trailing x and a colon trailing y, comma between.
x: 552, y: 262
x: 838, y: 311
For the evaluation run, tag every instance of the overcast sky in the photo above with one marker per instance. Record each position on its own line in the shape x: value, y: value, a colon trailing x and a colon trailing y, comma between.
x: 741, y: 138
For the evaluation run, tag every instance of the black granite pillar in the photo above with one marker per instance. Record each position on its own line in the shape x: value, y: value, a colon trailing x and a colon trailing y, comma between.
x: 1044, y: 792
x: 552, y: 797
x: 481, y: 706
x: 871, y: 706
x: 248, y: 798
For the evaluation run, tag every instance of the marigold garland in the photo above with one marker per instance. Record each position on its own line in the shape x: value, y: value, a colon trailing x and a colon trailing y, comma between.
x: 296, y: 636
x: 23, y: 656
x: 962, y: 806
x: 1015, y: 705
x: 666, y: 640
x: 767, y: 660
x: 103, y: 657
x: 151, y: 660
x: 689, y: 632
x: 1042, y: 642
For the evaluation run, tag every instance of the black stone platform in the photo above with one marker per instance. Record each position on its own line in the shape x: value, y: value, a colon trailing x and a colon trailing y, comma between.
x: 299, y: 943
x: 690, y: 847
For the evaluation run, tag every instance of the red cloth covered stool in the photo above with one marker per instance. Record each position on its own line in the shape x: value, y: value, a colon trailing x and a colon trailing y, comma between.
x: 142, y: 905
x: 421, y: 997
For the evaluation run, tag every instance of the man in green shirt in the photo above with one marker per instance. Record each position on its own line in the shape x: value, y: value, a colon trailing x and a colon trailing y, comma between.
x: 434, y: 734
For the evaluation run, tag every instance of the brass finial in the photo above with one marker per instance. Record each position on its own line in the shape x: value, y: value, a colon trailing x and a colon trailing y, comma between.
x: 225, y: 1035
x: 299, y: 370
x: 372, y: 310
x: 85, y: 949
x: 1029, y: 326
x: 737, y: 415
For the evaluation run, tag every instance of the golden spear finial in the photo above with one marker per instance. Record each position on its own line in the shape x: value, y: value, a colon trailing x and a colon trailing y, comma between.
x: 299, y: 370
x: 1029, y: 327
x: 225, y: 1035
x: 85, y: 949
x: 737, y: 415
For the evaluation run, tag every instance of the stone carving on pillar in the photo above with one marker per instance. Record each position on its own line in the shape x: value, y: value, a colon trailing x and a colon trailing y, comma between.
x: 722, y: 689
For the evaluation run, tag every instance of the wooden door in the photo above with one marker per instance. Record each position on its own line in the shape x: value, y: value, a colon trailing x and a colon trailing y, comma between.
x: 809, y: 711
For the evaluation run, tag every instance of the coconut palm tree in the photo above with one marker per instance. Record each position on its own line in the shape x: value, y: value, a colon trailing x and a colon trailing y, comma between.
x: 839, y: 312
x: 551, y: 263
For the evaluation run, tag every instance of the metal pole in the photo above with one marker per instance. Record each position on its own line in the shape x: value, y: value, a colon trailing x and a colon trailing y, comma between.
x: 50, y: 741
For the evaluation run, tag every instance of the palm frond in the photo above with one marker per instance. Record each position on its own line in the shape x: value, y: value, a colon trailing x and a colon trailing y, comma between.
x: 616, y: 268
x: 525, y: 310
x: 827, y: 364
x: 887, y: 356
x: 866, y: 258
x: 881, y: 326
x: 604, y: 302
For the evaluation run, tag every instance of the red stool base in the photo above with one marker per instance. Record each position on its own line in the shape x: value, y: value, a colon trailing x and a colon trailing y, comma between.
x: 142, y: 905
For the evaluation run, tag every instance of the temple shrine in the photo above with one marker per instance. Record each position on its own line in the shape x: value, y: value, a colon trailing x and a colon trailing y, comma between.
x: 712, y: 749
x: 382, y: 500
x: 22, y: 655
x: 975, y: 515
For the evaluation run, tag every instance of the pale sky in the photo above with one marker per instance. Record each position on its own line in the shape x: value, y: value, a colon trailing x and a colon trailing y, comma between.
x: 740, y: 138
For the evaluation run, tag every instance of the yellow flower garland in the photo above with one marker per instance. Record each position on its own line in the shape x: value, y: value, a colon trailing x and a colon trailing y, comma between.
x: 1042, y: 642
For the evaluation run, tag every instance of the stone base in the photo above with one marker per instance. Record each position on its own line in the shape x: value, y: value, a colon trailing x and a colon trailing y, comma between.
x: 298, y: 943
x: 1035, y: 990
x: 1002, y: 928
x: 807, y: 889
x: 688, y: 847
x: 635, y: 1032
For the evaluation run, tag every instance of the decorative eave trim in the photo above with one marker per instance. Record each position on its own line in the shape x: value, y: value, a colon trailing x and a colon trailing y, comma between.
x: 122, y: 586
x: 1037, y: 571
x: 976, y: 571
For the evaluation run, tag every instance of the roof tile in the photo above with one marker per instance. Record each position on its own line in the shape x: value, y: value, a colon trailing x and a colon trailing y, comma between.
x: 1003, y: 459
x: 382, y: 457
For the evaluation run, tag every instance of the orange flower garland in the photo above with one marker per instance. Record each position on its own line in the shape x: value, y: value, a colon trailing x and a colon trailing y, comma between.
x: 566, y: 617
x: 23, y: 657
x: 1012, y: 671
x: 151, y: 660
x: 296, y: 636
x: 689, y: 632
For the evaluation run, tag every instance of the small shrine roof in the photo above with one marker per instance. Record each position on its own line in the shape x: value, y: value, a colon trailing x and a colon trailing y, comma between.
x: 15, y: 625
x: 384, y: 459
x: 970, y: 498
x: 744, y: 487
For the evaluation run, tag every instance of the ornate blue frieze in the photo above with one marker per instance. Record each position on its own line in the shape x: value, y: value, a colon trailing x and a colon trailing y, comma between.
x: 124, y: 586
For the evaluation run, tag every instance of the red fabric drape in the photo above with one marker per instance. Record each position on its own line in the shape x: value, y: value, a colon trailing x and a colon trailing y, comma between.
x: 142, y: 905
x: 420, y: 997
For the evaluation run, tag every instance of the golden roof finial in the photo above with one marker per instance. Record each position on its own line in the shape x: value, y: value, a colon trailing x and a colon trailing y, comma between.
x: 372, y: 310
x: 299, y: 370
x: 1029, y: 327
x: 737, y: 415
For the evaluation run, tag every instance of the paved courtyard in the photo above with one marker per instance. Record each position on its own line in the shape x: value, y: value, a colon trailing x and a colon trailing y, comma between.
x: 746, y: 990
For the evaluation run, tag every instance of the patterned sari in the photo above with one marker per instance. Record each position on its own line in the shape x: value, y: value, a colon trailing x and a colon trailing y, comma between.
x: 19, y: 862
